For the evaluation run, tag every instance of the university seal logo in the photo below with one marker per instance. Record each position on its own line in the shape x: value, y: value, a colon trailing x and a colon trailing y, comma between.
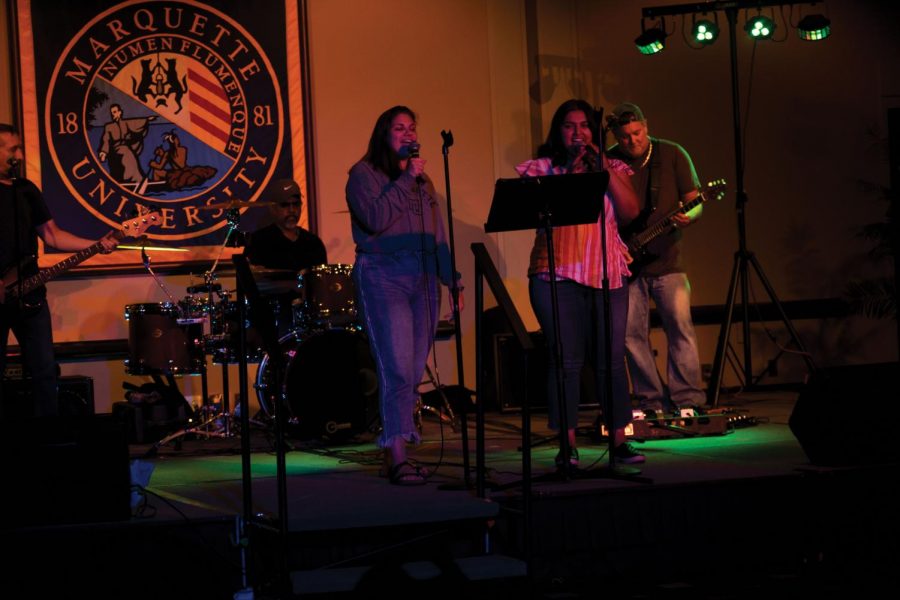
x: 165, y: 106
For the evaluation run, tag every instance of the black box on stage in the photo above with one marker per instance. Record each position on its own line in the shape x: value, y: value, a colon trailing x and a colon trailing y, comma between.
x: 843, y: 415
x: 62, y: 470
x: 519, y: 375
x: 75, y: 397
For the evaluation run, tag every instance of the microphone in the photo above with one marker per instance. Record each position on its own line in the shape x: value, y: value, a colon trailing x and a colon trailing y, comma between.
x: 13, y: 163
x: 412, y: 151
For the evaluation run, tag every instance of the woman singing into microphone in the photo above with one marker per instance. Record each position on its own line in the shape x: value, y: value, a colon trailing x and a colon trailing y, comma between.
x: 572, y: 147
x: 401, y: 253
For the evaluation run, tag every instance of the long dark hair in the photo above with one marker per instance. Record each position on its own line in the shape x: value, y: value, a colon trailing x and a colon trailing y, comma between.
x: 553, y: 148
x: 380, y: 155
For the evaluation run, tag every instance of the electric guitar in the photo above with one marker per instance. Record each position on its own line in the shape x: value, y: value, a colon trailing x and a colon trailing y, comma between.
x: 638, y: 235
x: 16, y: 290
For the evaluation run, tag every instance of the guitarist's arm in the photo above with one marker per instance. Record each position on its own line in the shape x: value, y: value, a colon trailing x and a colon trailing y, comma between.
x: 61, y: 239
x: 682, y: 220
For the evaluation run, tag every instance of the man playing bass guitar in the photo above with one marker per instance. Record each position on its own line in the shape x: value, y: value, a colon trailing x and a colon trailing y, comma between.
x: 23, y: 217
x: 663, y: 177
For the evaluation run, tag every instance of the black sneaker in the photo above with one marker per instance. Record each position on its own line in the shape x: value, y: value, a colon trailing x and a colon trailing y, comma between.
x: 626, y: 454
x: 573, y: 458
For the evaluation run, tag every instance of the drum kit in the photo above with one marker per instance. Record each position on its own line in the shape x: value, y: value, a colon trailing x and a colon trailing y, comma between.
x: 329, y: 382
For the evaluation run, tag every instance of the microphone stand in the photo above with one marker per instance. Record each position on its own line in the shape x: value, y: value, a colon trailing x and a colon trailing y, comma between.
x: 612, y: 470
x: 447, y: 137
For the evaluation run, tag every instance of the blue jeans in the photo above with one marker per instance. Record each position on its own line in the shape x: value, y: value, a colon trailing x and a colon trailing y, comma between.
x: 581, y: 331
x: 398, y: 305
x: 672, y: 295
x: 34, y: 333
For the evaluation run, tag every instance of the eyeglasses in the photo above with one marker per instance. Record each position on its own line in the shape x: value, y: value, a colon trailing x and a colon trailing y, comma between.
x: 289, y: 204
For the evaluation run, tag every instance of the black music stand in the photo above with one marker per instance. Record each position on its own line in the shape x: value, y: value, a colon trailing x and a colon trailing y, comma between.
x: 544, y: 203
x: 264, y: 321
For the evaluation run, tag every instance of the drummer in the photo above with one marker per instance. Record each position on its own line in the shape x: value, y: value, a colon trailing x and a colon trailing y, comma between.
x: 284, y: 245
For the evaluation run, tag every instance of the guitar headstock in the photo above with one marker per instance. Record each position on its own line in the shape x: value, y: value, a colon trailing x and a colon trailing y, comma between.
x: 136, y: 226
x: 715, y: 189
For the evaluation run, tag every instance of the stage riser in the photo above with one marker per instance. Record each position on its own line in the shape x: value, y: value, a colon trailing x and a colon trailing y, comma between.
x: 715, y: 531
x: 683, y: 531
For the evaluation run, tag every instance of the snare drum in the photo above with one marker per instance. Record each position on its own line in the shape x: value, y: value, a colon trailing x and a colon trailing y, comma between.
x: 327, y: 297
x: 160, y: 341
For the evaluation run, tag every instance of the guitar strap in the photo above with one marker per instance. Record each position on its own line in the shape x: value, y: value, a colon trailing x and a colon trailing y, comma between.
x: 652, y: 200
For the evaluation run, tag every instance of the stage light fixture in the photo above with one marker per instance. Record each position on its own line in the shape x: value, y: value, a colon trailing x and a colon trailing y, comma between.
x: 652, y: 40
x: 813, y: 28
x: 705, y: 32
x: 760, y: 27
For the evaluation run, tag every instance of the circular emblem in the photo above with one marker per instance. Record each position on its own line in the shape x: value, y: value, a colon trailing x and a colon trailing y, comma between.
x: 168, y: 106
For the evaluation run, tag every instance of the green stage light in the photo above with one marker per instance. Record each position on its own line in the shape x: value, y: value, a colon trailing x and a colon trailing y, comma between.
x: 814, y: 27
x: 760, y: 27
x: 705, y: 32
x: 651, y: 41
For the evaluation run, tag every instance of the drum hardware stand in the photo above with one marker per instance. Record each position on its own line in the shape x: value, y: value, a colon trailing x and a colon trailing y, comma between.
x: 170, y: 380
x: 146, y: 259
x: 444, y: 412
x: 203, y: 428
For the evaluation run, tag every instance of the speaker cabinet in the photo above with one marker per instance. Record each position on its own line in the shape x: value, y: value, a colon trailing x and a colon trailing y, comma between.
x: 843, y: 415
x: 62, y: 470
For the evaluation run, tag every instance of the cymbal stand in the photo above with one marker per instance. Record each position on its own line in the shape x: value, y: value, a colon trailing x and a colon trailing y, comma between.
x: 233, y: 218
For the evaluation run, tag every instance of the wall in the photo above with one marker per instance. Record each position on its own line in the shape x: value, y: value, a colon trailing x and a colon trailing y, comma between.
x: 494, y: 71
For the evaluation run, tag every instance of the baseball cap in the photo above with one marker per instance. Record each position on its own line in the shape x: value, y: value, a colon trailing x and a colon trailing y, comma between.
x: 283, y: 191
x: 626, y: 113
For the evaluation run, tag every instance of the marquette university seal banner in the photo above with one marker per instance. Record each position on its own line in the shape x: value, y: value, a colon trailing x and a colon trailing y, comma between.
x: 167, y: 106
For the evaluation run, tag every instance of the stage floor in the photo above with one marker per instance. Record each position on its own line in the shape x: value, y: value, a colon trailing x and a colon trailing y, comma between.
x: 725, y: 516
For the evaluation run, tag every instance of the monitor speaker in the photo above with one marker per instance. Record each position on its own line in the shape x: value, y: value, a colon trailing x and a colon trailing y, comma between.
x: 842, y: 416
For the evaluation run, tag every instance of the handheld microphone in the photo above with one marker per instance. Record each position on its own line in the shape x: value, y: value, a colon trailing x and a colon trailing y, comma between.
x: 13, y: 162
x: 412, y: 151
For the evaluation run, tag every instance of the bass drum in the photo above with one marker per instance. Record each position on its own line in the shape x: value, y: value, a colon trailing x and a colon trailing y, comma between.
x: 330, y: 383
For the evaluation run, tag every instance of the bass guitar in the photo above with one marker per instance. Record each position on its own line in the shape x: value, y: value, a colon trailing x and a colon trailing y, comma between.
x: 638, y: 235
x: 16, y: 290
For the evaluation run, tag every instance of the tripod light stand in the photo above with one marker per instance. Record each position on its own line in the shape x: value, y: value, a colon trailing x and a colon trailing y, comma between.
x: 743, y: 258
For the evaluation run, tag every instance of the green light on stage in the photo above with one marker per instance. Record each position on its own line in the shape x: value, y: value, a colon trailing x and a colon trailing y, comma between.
x: 813, y: 28
x: 651, y: 41
x: 705, y: 32
x: 760, y: 27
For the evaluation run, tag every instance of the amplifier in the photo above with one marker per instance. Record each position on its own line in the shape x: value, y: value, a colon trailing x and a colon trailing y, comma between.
x: 76, y: 397
x: 520, y: 375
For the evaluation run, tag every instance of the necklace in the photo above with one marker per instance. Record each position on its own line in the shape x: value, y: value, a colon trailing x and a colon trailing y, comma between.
x: 647, y: 158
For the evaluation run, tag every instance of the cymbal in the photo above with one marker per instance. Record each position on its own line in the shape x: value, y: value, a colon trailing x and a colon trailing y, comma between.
x: 234, y: 204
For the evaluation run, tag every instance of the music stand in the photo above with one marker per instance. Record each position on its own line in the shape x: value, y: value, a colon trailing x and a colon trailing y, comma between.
x: 264, y: 322
x: 544, y: 203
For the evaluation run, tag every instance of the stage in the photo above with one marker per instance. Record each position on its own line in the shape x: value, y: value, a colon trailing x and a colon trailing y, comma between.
x: 733, y: 515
